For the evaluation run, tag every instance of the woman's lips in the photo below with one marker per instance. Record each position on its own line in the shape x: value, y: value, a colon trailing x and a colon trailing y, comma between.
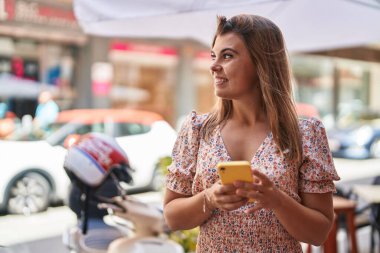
x: 220, y: 81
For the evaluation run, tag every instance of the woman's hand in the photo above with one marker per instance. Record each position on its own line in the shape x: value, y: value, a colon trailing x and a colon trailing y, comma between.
x: 264, y: 193
x: 224, y: 197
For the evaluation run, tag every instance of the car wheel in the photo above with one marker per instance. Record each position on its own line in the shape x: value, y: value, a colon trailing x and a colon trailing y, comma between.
x: 28, y: 194
x: 158, y: 180
x: 375, y: 148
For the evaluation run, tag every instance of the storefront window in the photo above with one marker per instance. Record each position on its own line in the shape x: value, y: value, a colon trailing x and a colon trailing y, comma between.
x: 144, y: 77
x: 353, y: 89
x: 204, y: 82
x: 314, y: 83
x: 336, y: 87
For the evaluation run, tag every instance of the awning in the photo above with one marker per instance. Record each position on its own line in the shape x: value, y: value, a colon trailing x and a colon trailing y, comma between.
x: 15, y: 87
x: 308, y: 25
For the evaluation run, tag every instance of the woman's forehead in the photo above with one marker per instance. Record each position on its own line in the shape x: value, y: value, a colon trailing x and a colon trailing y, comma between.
x: 228, y: 40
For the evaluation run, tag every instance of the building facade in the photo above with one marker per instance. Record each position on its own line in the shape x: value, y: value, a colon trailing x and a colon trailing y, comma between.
x: 40, y: 40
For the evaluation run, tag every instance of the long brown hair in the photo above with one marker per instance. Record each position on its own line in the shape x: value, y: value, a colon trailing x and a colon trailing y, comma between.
x: 267, y: 50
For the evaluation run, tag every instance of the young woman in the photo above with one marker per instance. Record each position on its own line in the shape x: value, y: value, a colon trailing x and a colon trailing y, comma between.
x: 255, y: 120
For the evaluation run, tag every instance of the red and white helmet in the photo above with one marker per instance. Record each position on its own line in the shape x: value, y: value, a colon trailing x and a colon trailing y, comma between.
x: 94, y: 156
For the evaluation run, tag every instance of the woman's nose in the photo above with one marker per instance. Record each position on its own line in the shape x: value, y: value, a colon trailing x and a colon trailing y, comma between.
x: 215, y: 67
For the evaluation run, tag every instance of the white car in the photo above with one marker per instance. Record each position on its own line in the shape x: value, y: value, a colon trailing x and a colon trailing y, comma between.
x: 32, y: 171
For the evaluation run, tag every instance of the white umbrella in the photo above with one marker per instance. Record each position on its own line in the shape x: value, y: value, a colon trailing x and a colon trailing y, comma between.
x: 308, y: 25
x: 12, y: 86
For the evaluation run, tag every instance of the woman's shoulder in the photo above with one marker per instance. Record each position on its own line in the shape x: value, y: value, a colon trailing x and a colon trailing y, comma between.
x: 196, y: 119
x: 310, y: 124
x: 312, y: 129
x: 192, y: 122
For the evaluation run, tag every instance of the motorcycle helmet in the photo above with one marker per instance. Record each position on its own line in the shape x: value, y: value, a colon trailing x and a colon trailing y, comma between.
x: 93, y: 157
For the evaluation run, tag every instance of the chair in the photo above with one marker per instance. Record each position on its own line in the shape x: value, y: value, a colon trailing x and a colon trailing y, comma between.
x: 372, y: 213
x: 374, y: 219
x: 344, y: 209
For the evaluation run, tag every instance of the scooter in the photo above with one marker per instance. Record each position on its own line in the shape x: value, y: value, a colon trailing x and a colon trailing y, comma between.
x: 129, y: 225
x: 149, y: 233
x: 91, y: 234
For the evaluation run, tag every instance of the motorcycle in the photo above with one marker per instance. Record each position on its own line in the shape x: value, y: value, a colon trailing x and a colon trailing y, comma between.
x: 109, y: 220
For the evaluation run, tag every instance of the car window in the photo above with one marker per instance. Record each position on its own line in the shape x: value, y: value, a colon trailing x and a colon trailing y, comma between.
x: 58, y: 137
x: 96, y: 127
x: 33, y: 134
x: 56, y: 133
x: 126, y: 129
x: 357, y: 118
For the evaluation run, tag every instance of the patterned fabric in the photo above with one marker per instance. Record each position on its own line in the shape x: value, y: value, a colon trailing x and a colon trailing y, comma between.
x: 194, y: 169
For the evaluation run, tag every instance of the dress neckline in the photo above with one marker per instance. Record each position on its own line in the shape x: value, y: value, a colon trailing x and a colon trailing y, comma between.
x: 257, y: 152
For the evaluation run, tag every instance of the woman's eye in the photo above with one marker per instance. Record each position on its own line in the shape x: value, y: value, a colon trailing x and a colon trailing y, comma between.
x: 213, y: 56
x: 227, y: 56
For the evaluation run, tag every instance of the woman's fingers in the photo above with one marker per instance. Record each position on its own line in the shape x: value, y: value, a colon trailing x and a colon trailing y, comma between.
x: 250, y: 194
x: 233, y: 206
x: 225, y: 197
x: 263, y: 191
x: 228, y: 198
x: 261, y: 184
x: 225, y: 189
x: 262, y: 177
x: 258, y: 187
x: 226, y: 193
x: 242, y: 184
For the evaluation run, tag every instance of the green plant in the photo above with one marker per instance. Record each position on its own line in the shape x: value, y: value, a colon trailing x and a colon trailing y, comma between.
x: 187, y: 238
x: 163, y: 164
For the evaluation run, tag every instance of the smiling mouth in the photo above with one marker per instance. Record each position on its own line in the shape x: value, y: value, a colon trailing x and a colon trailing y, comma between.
x: 220, y: 81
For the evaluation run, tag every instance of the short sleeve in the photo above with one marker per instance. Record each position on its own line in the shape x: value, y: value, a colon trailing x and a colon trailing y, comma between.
x: 317, y: 171
x: 181, y: 172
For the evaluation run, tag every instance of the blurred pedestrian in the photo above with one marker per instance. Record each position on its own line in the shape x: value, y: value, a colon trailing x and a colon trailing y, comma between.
x: 3, y: 110
x: 255, y: 120
x: 47, y: 110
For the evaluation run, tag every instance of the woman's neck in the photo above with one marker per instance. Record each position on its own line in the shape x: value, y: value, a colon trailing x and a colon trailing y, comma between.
x: 248, y: 114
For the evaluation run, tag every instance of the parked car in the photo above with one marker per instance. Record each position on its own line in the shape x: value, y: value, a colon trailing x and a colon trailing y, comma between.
x: 357, y: 136
x: 32, y: 171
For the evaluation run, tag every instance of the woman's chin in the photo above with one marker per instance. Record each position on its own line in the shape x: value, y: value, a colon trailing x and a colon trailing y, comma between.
x: 221, y: 94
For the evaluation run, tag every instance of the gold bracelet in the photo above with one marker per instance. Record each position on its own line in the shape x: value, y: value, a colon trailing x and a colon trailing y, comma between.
x: 205, y: 200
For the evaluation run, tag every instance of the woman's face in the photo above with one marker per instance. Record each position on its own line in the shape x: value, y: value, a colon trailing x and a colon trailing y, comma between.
x: 233, y: 71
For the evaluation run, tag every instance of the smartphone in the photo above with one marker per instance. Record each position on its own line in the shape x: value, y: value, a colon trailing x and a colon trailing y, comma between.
x: 234, y: 170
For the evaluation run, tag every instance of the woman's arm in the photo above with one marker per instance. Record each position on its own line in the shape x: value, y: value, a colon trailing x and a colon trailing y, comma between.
x: 186, y: 212
x: 315, y: 211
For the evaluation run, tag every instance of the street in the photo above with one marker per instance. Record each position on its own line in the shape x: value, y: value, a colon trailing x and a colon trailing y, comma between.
x: 36, y: 233
x: 42, y: 232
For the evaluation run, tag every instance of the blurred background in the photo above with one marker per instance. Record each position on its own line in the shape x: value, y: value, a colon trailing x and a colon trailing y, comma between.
x: 159, y: 80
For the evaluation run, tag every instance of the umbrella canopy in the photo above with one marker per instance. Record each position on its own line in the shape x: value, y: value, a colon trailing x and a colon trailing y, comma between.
x: 308, y: 25
x: 15, y: 87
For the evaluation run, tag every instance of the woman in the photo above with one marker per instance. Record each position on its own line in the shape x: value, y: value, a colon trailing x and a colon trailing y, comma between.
x: 255, y: 120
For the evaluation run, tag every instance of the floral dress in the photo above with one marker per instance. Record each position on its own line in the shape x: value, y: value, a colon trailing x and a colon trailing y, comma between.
x: 194, y: 169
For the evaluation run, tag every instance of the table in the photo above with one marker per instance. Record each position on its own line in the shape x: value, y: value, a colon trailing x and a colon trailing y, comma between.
x: 369, y: 193
x: 345, y: 207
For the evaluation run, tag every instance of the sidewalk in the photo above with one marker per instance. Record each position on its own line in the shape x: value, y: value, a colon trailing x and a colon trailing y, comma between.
x: 363, y: 241
x: 19, y: 229
x: 42, y: 232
